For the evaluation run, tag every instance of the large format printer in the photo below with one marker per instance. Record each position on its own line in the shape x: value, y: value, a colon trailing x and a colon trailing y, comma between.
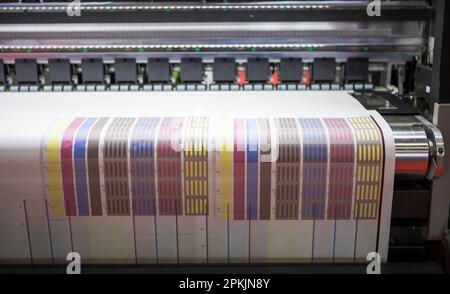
x: 145, y: 72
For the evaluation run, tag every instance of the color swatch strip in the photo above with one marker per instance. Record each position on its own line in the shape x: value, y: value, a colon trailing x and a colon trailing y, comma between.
x: 370, y: 160
x: 287, y: 196
x: 342, y: 159
x: 196, y: 166
x: 169, y: 166
x: 314, y: 168
x: 115, y: 158
x: 266, y: 169
x: 142, y: 161
x: 80, y: 166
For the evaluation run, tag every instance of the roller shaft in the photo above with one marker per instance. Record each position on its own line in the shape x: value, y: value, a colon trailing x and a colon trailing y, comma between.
x: 419, y: 148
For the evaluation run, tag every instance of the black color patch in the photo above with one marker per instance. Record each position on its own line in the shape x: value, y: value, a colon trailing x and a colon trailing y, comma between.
x: 158, y: 70
x: 26, y: 71
x: 125, y: 70
x: 324, y: 69
x: 92, y: 70
x: 357, y: 69
x: 258, y: 69
x: 291, y: 69
x: 191, y: 69
x: 59, y: 71
x: 224, y: 69
x: 2, y: 72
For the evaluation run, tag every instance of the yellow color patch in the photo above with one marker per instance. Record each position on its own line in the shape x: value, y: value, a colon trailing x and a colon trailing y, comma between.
x: 54, y: 173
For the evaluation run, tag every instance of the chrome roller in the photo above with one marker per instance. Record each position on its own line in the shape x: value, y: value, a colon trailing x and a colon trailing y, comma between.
x: 419, y: 147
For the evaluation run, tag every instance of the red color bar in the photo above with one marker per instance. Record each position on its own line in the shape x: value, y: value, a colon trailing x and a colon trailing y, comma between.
x: 169, y: 168
x: 341, y: 168
x: 239, y: 169
x: 307, y: 77
x: 275, y: 79
x: 242, y: 78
